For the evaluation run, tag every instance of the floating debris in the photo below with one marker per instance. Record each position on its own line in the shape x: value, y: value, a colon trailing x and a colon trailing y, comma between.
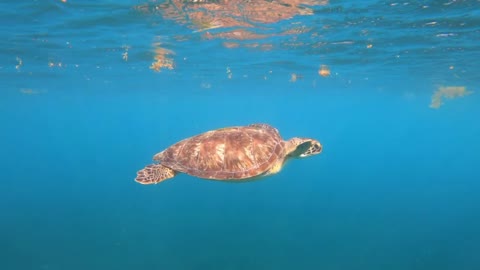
x: 324, y: 71
x: 125, y: 53
x: 52, y: 64
x: 19, y: 63
x: 294, y: 77
x: 29, y: 91
x: 162, y: 60
x: 162, y: 63
x: 205, y: 85
x: 449, y: 92
x: 229, y: 73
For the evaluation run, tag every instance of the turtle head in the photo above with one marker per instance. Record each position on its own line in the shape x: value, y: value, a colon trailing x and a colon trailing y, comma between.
x: 303, y: 147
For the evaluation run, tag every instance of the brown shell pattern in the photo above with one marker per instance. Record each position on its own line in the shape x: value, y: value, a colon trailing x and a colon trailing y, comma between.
x: 229, y: 153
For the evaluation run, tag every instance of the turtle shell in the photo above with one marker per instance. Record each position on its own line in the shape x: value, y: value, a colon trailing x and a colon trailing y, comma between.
x: 226, y: 154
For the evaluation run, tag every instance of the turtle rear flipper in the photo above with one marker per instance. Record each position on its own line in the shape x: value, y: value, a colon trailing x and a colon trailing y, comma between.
x: 153, y: 174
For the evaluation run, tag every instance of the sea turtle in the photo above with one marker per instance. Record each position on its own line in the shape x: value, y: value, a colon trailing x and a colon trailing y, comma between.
x: 240, y: 153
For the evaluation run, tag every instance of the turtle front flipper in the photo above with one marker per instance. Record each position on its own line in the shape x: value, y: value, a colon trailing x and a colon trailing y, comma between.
x: 153, y: 174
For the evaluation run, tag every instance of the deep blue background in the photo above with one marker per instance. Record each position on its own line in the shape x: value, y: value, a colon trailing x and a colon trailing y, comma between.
x: 397, y: 186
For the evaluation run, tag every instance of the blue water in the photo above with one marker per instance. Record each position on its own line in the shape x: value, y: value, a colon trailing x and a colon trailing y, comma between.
x: 396, y: 187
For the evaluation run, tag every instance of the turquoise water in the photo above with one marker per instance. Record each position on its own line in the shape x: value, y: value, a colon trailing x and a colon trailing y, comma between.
x: 396, y: 186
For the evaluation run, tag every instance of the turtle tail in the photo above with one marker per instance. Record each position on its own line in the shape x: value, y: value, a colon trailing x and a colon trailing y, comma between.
x: 153, y: 174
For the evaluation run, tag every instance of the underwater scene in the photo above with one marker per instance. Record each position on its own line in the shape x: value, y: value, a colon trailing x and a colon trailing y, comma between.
x: 240, y: 134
